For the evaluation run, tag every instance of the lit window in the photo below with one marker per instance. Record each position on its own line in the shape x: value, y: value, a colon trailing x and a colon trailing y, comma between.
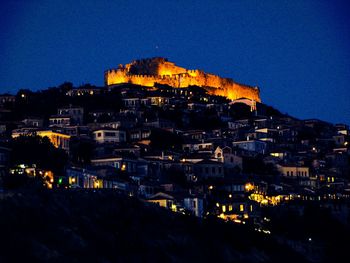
x: 241, y: 207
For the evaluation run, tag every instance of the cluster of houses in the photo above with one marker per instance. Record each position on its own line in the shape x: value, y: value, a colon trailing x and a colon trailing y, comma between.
x: 229, y: 170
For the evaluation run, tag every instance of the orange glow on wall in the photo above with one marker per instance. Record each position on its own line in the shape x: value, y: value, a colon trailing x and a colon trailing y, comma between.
x: 249, y: 187
x: 147, y: 72
x: 57, y: 139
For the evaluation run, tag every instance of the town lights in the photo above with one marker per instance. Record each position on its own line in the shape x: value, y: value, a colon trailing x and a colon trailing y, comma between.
x: 249, y: 187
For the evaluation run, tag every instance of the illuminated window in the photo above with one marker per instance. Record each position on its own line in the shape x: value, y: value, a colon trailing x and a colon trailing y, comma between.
x: 241, y: 207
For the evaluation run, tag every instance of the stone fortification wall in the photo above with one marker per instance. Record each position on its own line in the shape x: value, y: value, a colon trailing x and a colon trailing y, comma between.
x: 147, y: 72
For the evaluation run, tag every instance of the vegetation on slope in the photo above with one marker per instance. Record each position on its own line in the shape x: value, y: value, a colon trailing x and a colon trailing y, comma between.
x: 104, y: 226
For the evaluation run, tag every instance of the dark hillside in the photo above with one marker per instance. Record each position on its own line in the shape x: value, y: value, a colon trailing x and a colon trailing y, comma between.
x: 86, y: 226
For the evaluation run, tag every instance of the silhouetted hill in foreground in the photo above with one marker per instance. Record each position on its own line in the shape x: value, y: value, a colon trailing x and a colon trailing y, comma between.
x: 86, y: 226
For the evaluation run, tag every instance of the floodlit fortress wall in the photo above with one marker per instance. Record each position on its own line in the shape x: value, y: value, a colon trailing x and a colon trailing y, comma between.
x: 147, y: 72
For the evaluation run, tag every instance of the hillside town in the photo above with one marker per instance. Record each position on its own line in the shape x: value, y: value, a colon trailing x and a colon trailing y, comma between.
x: 180, y: 148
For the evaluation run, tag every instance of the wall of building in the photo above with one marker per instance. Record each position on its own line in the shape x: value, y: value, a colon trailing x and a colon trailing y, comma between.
x: 112, y: 136
x: 157, y: 70
x: 195, y: 205
x: 294, y: 171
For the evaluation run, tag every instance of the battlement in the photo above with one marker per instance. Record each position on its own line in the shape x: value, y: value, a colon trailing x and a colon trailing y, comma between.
x: 147, y: 72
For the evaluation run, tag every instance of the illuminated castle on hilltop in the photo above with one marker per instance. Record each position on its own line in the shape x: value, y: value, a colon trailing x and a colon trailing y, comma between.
x: 147, y: 72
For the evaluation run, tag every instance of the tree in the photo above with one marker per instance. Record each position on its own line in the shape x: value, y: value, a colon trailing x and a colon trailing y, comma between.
x: 38, y: 150
x: 164, y: 140
x: 81, y: 150
x: 176, y: 176
x: 240, y: 111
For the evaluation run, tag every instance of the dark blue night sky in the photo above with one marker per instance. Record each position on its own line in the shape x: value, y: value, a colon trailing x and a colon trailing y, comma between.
x: 297, y: 52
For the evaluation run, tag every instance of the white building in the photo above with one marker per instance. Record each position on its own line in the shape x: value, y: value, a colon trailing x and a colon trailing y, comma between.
x: 194, y: 205
x: 253, y: 145
x: 59, y: 121
x: 109, y: 136
x: 229, y: 158
x: 294, y: 171
x: 75, y: 113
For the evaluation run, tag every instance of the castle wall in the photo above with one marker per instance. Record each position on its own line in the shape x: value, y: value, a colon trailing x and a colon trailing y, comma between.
x: 169, y: 68
x: 158, y: 70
